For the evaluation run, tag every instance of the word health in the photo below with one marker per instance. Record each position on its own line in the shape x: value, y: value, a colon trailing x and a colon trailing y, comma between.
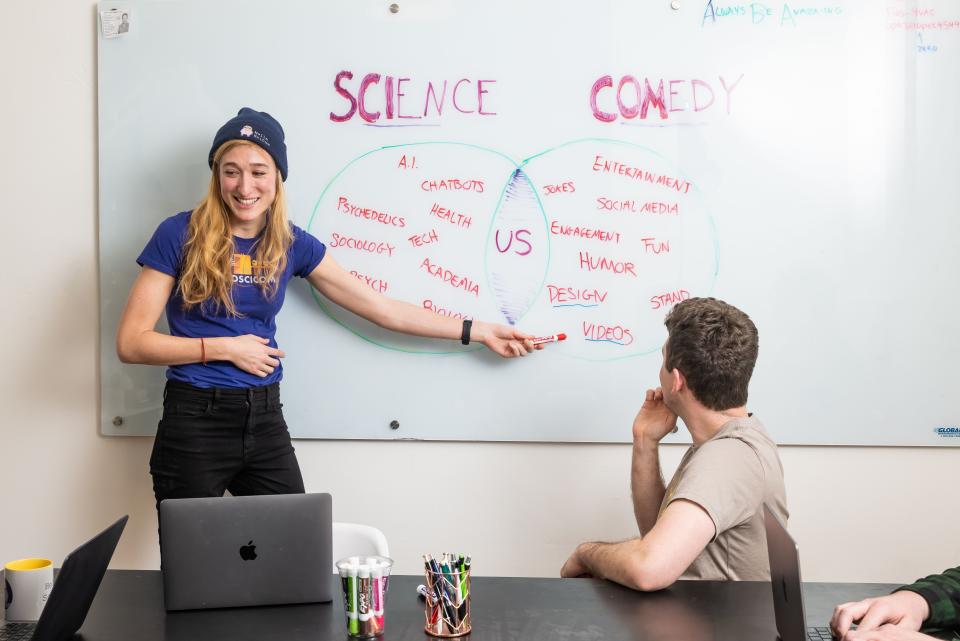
x: 634, y: 99
x: 392, y: 100
x: 455, y: 218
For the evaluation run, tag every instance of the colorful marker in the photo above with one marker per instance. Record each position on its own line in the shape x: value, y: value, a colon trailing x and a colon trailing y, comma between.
x: 549, y: 339
x: 353, y: 623
x: 463, y: 577
x: 425, y: 593
x: 364, y: 598
x: 376, y: 577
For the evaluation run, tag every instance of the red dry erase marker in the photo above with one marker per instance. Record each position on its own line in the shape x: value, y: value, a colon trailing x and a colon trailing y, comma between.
x: 549, y: 339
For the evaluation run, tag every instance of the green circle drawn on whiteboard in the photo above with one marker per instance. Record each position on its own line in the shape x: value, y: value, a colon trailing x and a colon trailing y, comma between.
x: 517, y: 166
x: 320, y: 301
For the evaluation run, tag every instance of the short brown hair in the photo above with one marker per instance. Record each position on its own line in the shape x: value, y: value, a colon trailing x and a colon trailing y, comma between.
x: 715, y: 346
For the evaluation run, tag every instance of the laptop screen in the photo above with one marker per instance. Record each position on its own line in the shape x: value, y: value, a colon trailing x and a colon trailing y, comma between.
x: 77, y: 585
x: 785, y: 579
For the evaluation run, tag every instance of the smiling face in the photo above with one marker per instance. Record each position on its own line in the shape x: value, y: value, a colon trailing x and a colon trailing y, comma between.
x: 248, y: 185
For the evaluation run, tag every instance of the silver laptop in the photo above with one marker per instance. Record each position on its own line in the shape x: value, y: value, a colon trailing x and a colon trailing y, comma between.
x: 785, y: 580
x: 246, y: 550
x: 73, y: 591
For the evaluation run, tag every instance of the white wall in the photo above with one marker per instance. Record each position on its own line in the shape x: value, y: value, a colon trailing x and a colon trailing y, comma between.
x: 859, y: 514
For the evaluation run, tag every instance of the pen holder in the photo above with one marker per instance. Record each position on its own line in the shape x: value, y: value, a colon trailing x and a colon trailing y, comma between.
x: 365, y: 581
x: 447, y: 612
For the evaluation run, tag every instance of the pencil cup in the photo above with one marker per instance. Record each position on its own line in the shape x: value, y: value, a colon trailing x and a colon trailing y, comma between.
x: 447, y: 612
x: 365, y: 580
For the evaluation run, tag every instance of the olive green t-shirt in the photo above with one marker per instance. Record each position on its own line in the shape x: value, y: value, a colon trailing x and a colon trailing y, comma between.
x: 731, y: 476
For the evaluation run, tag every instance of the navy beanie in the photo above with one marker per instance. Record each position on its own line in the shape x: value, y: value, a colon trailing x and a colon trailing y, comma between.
x: 258, y: 127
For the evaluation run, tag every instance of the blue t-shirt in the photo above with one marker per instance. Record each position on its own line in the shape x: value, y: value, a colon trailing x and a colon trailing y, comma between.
x: 258, y: 313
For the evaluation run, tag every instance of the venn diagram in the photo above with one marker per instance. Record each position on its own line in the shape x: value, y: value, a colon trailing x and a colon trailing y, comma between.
x: 595, y: 238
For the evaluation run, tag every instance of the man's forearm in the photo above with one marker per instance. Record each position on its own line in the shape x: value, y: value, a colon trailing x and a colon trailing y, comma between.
x: 621, y: 563
x: 606, y: 561
x: 646, y: 484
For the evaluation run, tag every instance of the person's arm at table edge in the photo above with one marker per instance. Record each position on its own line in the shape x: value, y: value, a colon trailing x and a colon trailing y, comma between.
x: 942, y: 594
x: 655, y: 561
x: 933, y: 601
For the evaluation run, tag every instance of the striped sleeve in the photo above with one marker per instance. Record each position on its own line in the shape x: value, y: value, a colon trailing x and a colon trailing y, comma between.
x: 942, y: 593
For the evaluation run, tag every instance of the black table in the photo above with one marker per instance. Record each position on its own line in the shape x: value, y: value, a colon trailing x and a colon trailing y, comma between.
x: 129, y: 606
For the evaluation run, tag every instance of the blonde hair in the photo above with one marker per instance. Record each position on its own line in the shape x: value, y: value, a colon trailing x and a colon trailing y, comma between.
x: 207, y: 274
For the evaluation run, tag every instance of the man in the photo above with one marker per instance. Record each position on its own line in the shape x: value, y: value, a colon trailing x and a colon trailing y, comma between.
x: 933, y: 602
x: 708, y: 524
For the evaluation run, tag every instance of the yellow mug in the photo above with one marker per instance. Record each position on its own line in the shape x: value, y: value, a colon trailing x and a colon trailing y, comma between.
x: 28, y: 584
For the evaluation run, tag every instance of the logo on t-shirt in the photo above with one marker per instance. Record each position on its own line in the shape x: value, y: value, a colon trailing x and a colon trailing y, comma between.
x: 248, y: 270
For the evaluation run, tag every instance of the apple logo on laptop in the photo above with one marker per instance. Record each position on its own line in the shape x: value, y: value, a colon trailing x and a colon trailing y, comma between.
x: 248, y: 552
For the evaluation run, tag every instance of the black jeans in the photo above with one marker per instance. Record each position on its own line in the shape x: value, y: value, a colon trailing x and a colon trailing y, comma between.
x: 211, y: 440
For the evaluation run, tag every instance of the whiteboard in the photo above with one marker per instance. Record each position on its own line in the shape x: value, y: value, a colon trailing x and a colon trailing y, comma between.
x: 576, y: 168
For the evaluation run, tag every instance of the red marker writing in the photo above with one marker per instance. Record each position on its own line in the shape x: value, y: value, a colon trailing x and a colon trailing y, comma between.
x: 549, y: 339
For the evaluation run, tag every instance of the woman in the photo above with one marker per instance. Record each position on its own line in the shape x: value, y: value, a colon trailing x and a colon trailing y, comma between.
x: 221, y: 272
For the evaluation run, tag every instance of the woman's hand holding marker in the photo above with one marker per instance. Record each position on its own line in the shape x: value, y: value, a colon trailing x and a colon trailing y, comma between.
x: 500, y: 339
x: 508, y: 342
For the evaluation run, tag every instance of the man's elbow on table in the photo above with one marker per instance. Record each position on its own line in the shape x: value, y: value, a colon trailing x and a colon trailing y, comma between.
x: 680, y: 535
x: 648, y: 574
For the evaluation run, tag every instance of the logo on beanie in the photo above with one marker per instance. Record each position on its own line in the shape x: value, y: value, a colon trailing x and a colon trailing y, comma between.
x: 247, y: 131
